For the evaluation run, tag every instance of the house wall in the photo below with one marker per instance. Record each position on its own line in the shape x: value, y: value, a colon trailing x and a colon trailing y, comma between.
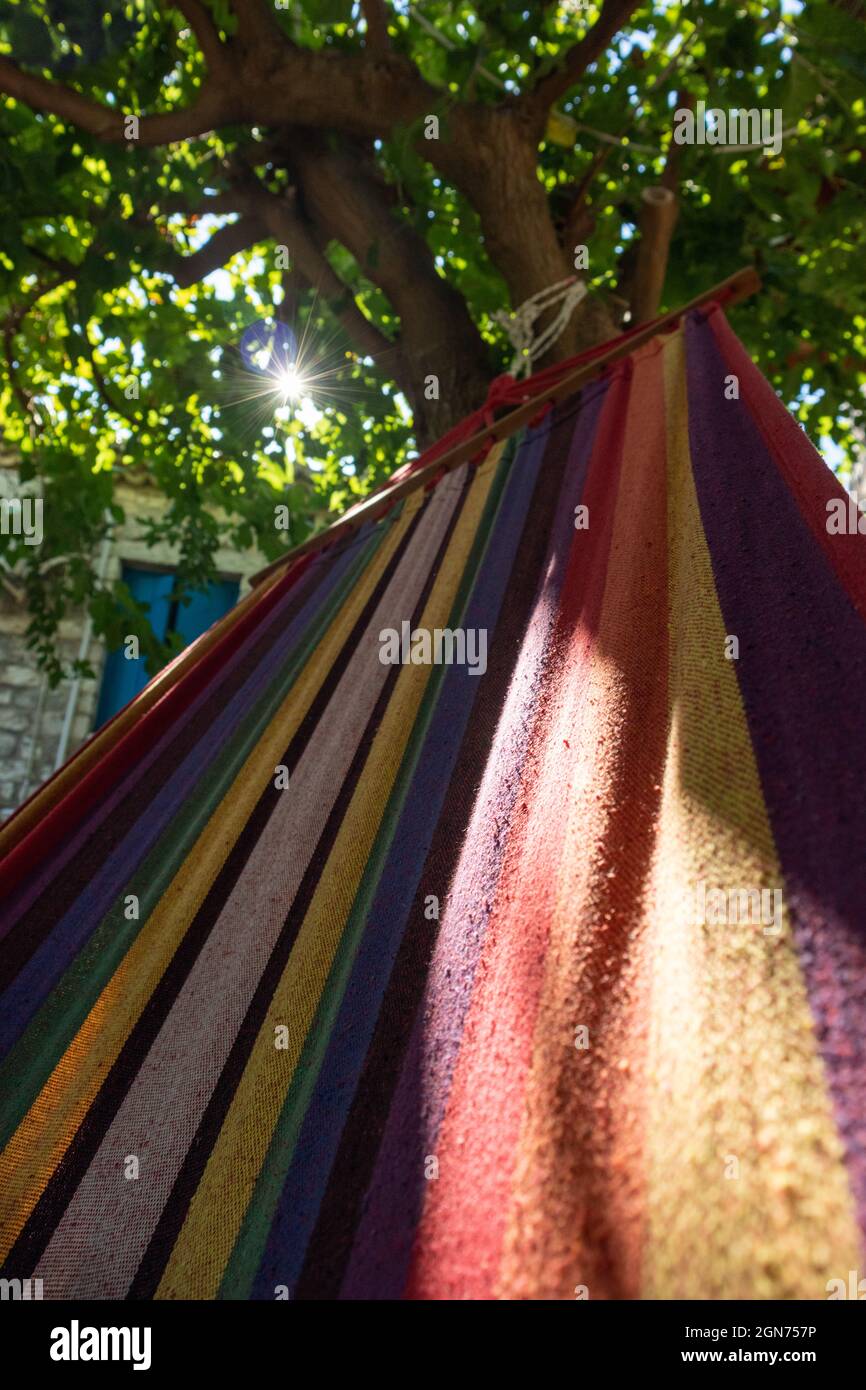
x: 32, y: 715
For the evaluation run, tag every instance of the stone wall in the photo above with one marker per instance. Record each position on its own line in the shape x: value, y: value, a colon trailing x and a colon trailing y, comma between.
x: 32, y: 715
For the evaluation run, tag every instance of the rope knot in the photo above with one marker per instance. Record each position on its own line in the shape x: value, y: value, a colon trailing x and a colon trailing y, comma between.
x: 520, y: 325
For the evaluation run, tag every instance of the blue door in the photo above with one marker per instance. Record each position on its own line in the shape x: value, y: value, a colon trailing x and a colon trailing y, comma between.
x: 123, y: 679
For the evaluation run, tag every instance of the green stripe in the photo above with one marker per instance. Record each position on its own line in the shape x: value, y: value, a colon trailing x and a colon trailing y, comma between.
x: 252, y: 1238
x: 31, y: 1061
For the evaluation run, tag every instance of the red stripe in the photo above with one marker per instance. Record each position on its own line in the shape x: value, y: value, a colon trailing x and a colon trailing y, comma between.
x: 459, y: 1240
x: 577, y: 1208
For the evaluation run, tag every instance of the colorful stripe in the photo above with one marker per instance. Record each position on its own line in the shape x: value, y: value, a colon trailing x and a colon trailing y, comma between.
x: 446, y: 1017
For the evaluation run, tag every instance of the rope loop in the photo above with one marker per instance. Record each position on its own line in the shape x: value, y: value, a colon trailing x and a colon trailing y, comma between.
x: 520, y: 325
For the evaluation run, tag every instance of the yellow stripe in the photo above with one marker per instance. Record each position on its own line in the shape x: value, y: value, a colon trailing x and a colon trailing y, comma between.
x: 748, y: 1195
x: 213, y: 1221
x: 38, y: 1145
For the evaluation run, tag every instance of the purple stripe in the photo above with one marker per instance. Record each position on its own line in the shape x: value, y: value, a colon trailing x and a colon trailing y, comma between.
x: 41, y: 973
x: 383, y: 1243
x: 802, y: 673
x: 331, y: 1100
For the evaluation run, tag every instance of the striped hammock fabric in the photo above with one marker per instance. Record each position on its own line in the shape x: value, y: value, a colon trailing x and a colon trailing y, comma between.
x: 332, y: 969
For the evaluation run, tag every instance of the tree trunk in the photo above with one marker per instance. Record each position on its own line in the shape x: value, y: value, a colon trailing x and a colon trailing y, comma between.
x: 445, y: 375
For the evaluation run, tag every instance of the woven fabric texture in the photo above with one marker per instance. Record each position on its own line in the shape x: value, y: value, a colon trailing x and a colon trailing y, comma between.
x: 536, y: 973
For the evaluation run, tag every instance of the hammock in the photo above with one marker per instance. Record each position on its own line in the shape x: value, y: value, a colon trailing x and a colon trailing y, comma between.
x: 538, y: 974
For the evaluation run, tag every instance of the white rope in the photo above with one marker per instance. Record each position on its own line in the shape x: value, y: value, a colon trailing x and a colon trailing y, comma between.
x: 520, y: 325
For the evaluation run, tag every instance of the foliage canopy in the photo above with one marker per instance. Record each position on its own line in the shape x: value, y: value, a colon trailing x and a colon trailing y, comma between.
x: 132, y: 268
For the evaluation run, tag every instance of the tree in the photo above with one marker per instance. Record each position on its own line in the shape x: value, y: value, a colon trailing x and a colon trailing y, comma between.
x: 374, y: 181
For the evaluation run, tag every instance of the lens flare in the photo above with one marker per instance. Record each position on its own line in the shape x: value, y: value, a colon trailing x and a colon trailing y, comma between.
x: 286, y: 376
x: 291, y: 382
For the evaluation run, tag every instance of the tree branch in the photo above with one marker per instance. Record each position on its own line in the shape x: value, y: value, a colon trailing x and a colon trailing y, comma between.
x: 659, y: 210
x: 20, y: 394
x: 289, y: 228
x: 64, y: 267
x: 293, y: 283
x: 358, y: 93
x: 15, y: 318
x: 218, y: 250
x: 213, y: 205
x: 345, y: 195
x: 376, y: 15
x: 671, y: 176
x: 549, y: 89
x: 257, y: 23
x: 263, y: 217
x: 659, y: 213
x: 102, y: 386
x: 578, y: 223
x: 213, y: 106
x: 265, y: 80
x: 201, y: 23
